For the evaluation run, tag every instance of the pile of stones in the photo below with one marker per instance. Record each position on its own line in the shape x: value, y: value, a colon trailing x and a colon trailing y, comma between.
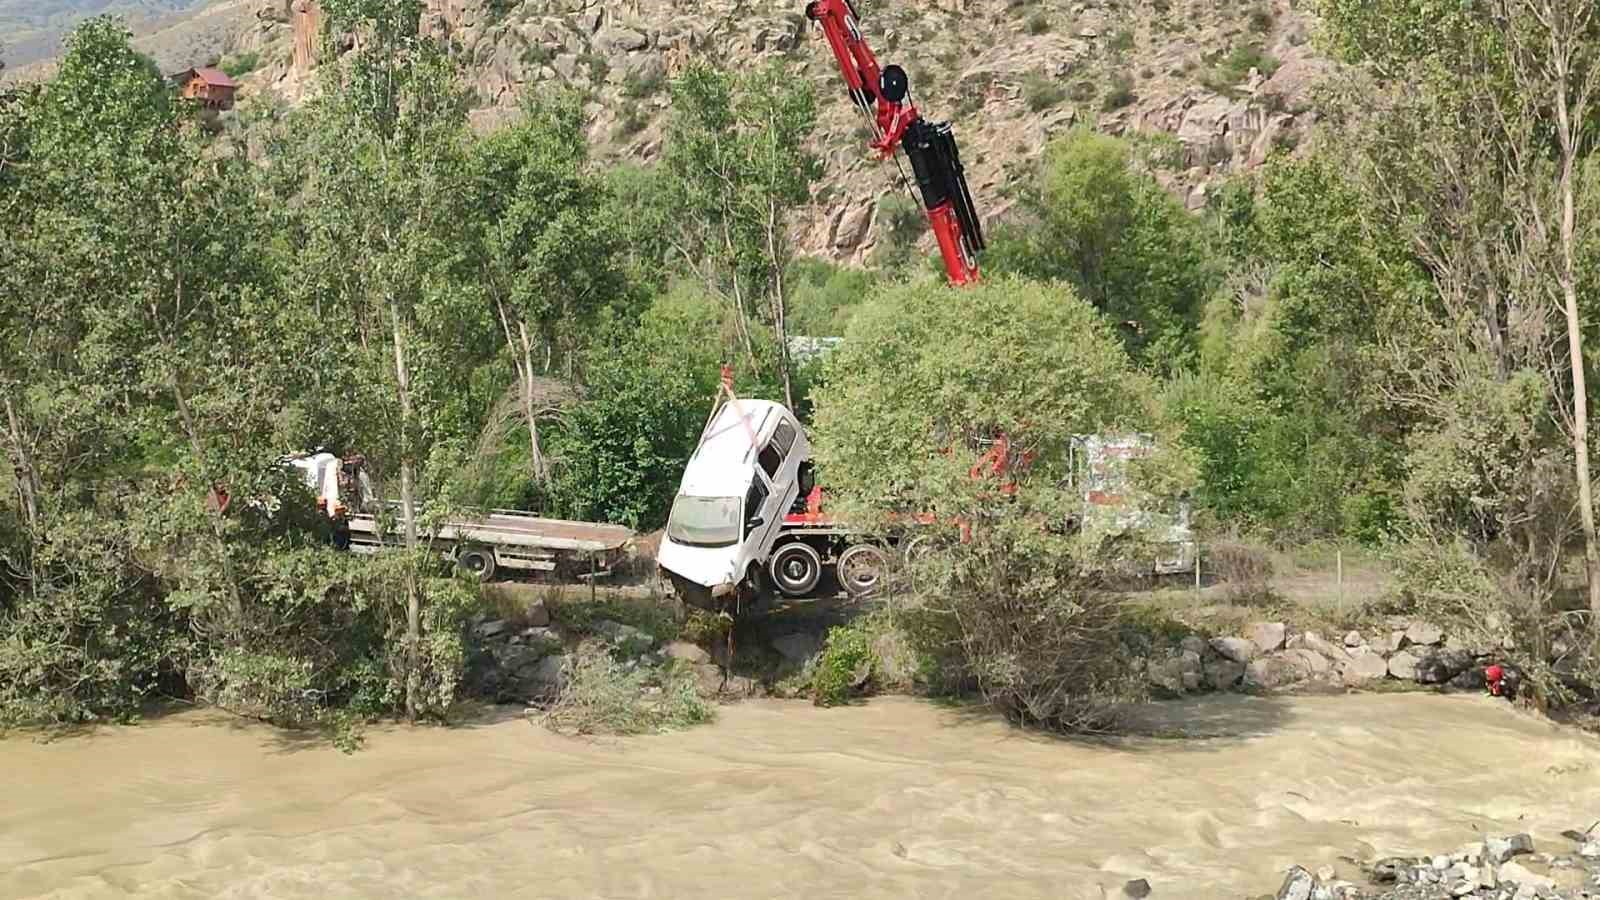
x: 1502, y: 868
x: 1270, y: 655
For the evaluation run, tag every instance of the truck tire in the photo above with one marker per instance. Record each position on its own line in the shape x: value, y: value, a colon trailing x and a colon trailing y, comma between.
x: 862, y: 570
x: 477, y: 562
x: 795, y: 568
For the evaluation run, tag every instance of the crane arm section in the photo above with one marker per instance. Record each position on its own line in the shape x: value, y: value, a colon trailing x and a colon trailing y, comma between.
x: 883, y: 93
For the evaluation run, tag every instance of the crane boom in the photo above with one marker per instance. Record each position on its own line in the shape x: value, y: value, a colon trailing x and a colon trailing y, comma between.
x: 883, y: 93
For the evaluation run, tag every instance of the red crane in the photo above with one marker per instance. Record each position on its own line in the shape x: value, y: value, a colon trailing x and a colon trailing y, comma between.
x: 884, y: 95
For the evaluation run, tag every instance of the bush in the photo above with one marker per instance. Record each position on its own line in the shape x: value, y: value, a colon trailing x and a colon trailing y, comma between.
x: 1122, y: 41
x: 1041, y: 92
x: 638, y: 86
x: 1120, y: 95
x: 1244, y: 570
x: 242, y: 64
x: 1038, y: 23
x: 904, y: 413
x: 604, y: 696
x: 845, y: 664
x: 1261, y: 20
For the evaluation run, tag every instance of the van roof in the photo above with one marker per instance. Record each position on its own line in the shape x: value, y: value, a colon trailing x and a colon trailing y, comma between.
x: 722, y: 464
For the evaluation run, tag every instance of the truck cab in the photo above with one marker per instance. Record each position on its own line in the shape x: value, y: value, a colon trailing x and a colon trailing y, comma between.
x: 742, y: 479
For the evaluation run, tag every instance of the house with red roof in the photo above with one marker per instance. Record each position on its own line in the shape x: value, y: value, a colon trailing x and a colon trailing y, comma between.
x: 207, y: 85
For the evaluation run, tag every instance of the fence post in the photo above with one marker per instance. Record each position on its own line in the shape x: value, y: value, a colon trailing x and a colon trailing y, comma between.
x: 1197, y: 568
x: 1338, y: 557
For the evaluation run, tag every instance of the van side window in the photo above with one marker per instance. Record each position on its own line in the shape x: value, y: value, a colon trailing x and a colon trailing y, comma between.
x: 783, y: 438
x: 770, y: 458
x: 754, y: 502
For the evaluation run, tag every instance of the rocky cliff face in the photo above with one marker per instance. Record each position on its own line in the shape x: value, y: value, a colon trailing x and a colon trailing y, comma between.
x: 1228, y: 83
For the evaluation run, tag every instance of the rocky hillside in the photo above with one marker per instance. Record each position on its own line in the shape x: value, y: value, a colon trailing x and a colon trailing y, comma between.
x: 1229, y: 81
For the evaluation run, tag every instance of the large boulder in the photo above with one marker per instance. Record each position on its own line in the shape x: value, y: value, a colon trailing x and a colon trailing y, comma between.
x: 625, y: 640
x: 1270, y: 672
x: 1360, y: 670
x: 1426, y: 633
x: 1309, y: 663
x: 1237, y: 649
x: 614, y: 40
x: 1499, y: 849
x: 1403, y: 665
x: 1268, y: 636
x: 1312, y: 640
x: 546, y: 678
x: 1438, y: 666
x: 1523, y: 877
x: 1222, y: 674
x: 1298, y: 884
x: 693, y: 654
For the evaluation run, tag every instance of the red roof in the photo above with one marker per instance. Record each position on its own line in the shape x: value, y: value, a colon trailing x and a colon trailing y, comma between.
x: 214, y: 77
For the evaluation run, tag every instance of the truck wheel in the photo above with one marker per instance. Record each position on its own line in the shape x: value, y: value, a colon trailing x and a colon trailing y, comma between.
x: 862, y: 569
x: 477, y: 562
x: 795, y: 569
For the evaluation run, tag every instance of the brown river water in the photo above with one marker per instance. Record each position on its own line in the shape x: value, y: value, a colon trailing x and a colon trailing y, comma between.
x: 894, y: 798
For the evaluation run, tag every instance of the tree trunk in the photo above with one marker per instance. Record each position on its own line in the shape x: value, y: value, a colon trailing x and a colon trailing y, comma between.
x: 779, y: 302
x: 408, y: 511
x: 27, y: 477
x: 541, y: 474
x: 1568, y: 132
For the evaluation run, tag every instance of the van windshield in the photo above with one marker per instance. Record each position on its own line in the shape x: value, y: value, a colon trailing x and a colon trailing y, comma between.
x: 704, y: 521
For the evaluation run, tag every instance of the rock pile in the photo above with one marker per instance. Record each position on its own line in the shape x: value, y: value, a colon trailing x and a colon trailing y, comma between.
x: 526, y: 662
x: 1503, y: 868
x: 1271, y: 656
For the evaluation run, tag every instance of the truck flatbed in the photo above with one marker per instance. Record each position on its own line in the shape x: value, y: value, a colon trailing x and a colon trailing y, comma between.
x: 511, y: 540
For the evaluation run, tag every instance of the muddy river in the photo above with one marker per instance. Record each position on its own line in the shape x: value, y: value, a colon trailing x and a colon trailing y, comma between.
x: 896, y: 798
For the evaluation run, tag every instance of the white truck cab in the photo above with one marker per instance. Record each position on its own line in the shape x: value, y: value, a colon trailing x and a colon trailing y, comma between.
x: 740, y: 483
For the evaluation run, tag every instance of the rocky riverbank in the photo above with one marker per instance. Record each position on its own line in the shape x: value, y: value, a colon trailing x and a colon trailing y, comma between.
x: 1506, y: 867
x: 1274, y: 655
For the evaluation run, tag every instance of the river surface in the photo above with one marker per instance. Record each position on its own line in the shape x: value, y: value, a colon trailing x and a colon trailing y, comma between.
x: 895, y: 798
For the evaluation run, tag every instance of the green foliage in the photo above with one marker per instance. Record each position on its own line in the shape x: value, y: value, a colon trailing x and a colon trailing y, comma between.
x: 824, y: 296
x: 1041, y: 92
x: 1121, y: 240
x: 1234, y: 68
x: 1038, y: 24
x: 1120, y: 94
x: 241, y: 64
x: 846, y: 661
x: 643, y: 84
x: 602, y: 696
x: 1122, y: 41
x: 904, y: 411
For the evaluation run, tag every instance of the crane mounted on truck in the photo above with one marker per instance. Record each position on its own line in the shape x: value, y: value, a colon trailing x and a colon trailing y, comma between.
x: 747, y: 515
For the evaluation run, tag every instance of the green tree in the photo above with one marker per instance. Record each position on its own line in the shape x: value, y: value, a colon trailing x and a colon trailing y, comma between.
x: 1121, y: 240
x: 738, y: 162
x: 1479, y: 153
x: 903, y: 416
x: 386, y: 203
x: 550, y: 256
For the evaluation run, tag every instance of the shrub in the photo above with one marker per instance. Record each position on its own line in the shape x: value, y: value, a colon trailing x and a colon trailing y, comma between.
x: 1038, y: 23
x: 242, y: 64
x: 1122, y: 41
x: 1041, y: 92
x: 1261, y: 20
x: 845, y: 664
x: 1120, y: 95
x: 604, y: 696
x: 1245, y: 571
x: 640, y: 85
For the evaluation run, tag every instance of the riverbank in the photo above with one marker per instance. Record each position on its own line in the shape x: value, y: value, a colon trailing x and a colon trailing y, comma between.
x: 892, y: 798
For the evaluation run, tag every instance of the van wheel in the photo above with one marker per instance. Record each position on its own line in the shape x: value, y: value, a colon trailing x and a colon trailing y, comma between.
x: 795, y: 569
x: 862, y: 569
x: 477, y: 562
